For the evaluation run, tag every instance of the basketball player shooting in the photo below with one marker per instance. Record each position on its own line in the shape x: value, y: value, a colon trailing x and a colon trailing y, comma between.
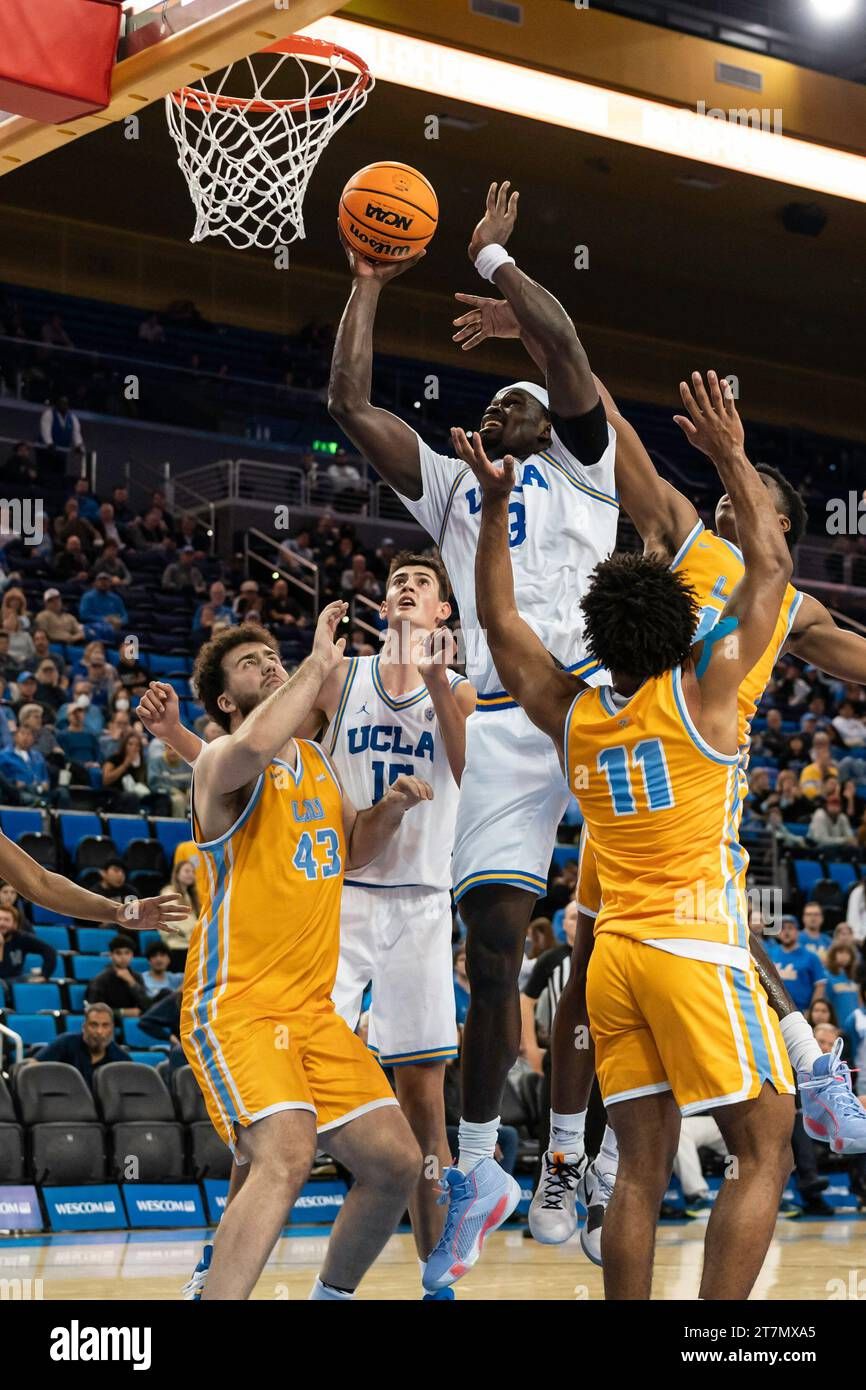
x: 275, y: 1063
x: 562, y: 516
x: 680, y: 1020
x: 711, y: 562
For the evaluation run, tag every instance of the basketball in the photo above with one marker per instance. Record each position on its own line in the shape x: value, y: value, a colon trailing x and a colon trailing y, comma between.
x: 388, y: 211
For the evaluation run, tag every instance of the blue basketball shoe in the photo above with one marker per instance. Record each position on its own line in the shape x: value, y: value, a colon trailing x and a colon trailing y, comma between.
x: 831, y: 1111
x: 478, y: 1202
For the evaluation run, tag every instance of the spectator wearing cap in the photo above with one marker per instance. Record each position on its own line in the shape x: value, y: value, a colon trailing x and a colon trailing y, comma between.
x: 49, y: 690
x: 100, y: 605
x: 183, y: 576
x: 16, y: 944
x: 159, y: 979
x: 119, y: 986
x: 800, y: 969
x: 26, y: 684
x: 110, y: 563
x: 112, y: 881
x: 830, y: 825
x: 55, y: 622
x: 93, y: 1047
x: 247, y: 595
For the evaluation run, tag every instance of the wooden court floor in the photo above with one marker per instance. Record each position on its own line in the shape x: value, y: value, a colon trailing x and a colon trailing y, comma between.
x: 804, y: 1260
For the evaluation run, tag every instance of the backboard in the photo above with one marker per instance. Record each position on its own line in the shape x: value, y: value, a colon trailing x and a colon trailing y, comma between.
x: 163, y: 46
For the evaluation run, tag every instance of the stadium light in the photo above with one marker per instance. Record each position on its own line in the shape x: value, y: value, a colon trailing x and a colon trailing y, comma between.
x: 542, y: 96
x: 833, y: 10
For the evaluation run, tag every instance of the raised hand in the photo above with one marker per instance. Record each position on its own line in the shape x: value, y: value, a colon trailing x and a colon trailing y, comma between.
x: 149, y: 914
x: 438, y: 653
x: 712, y: 424
x: 495, y: 482
x: 324, y: 646
x: 498, y: 221
x: 159, y: 710
x: 487, y: 318
x: 408, y: 791
x: 363, y: 268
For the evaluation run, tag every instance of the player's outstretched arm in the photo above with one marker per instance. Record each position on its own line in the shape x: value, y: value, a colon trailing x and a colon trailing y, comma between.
x: 236, y: 760
x: 58, y: 894
x: 662, y: 515
x: 569, y: 379
x: 386, y: 440
x: 453, y: 705
x: 749, y: 618
x: 525, y: 666
x: 368, y: 832
x: 816, y: 639
x: 159, y: 712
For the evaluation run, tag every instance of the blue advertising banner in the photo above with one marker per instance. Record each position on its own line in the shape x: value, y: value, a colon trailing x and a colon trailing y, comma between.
x: 19, y: 1209
x: 216, y: 1190
x: 163, y: 1204
x: 84, y: 1208
x: 319, y: 1201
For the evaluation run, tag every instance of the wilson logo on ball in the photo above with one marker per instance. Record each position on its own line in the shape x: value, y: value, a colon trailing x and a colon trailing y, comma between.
x: 383, y: 249
x: 391, y: 219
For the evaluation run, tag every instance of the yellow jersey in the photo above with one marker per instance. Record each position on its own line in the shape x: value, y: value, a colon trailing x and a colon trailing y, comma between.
x: 268, y: 937
x: 714, y: 568
x: 662, y: 809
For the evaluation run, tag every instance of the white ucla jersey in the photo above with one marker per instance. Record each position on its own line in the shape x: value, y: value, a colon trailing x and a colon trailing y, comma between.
x: 372, y: 739
x: 563, y: 519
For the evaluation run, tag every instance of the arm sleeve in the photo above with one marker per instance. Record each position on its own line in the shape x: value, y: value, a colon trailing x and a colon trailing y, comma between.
x: 585, y: 436
x: 438, y: 475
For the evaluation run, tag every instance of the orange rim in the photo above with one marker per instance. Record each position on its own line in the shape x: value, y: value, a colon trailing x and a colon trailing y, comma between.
x: 196, y: 99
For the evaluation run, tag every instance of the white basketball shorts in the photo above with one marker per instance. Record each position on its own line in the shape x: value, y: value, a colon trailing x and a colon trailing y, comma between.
x: 399, y: 939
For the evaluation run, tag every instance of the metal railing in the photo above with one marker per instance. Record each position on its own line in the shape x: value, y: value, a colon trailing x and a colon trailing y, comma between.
x: 282, y: 564
x: 364, y: 604
x: 18, y: 1041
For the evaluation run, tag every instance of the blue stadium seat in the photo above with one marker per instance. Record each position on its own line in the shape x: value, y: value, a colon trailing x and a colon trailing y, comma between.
x: 796, y: 828
x: 33, y: 1028
x: 161, y: 664
x: 147, y: 938
x: 86, y: 967
x: 122, y: 829
x: 43, y: 916
x: 170, y: 834
x: 30, y: 999
x: 92, y: 941
x: 74, y: 825
x: 71, y: 1023
x: 134, y: 1036
x: 16, y: 821
x: 76, y: 993
x: 140, y: 963
x: 807, y: 872
x: 182, y: 687
x: 843, y: 874
x: 58, y: 937
x: 147, y: 1059
x: 33, y: 965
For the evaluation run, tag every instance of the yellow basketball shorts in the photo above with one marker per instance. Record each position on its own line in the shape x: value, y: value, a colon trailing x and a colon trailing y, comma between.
x: 307, y: 1061
x: 663, y: 1022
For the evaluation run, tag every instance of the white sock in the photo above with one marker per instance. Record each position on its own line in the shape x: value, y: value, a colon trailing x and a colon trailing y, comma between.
x: 475, y: 1141
x: 324, y: 1293
x: 607, y: 1158
x: 422, y: 1266
x: 800, y: 1042
x: 566, y: 1132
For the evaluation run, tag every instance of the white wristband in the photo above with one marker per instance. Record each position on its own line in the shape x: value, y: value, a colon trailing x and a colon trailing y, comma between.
x: 490, y: 258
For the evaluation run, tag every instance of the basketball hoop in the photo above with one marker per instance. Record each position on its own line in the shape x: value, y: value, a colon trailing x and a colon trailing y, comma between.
x: 248, y: 159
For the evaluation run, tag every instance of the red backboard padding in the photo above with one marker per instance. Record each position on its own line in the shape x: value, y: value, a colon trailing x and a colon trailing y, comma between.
x: 57, y: 56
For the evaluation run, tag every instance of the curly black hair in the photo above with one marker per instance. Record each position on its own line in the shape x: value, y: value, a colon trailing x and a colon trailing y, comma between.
x: 640, y: 615
x: 792, y: 504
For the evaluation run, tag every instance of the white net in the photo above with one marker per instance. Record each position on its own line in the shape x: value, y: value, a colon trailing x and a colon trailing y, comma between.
x: 248, y: 159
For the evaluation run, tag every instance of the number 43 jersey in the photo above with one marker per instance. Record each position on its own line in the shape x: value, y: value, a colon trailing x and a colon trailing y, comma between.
x: 372, y: 740
x: 662, y: 810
